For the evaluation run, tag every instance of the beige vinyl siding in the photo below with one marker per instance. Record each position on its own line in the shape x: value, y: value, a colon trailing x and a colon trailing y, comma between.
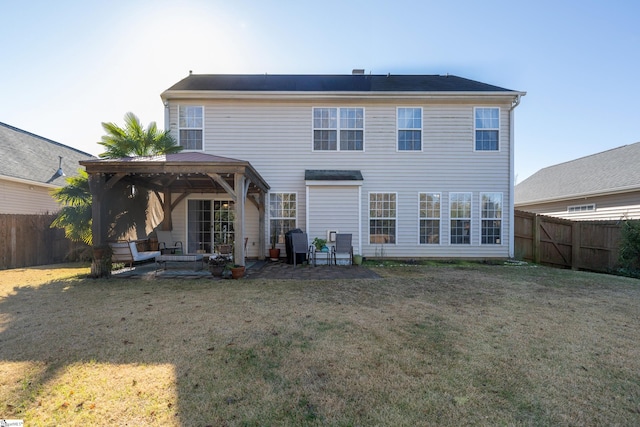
x: 23, y: 198
x: 276, y: 138
x: 608, y: 207
x: 334, y: 208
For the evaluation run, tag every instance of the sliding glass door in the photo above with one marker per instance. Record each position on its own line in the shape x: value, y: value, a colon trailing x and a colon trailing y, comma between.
x: 209, y: 224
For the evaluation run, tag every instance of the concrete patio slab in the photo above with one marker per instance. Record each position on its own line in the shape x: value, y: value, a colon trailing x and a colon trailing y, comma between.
x: 255, y: 270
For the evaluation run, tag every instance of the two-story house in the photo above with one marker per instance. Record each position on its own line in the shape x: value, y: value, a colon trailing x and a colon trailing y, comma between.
x: 410, y: 165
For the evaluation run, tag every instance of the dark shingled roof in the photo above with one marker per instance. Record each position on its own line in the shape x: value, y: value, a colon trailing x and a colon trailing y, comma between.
x: 332, y: 83
x: 34, y: 158
x: 332, y: 175
x: 606, y: 172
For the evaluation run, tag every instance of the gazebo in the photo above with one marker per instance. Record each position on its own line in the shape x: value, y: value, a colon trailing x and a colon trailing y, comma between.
x: 173, y: 177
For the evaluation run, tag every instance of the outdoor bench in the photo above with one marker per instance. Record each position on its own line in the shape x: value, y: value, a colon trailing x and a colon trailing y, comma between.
x: 127, y: 252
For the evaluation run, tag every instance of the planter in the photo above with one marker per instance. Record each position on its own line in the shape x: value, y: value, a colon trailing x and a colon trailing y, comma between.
x: 357, y: 259
x: 274, y: 254
x: 216, y: 270
x: 237, y: 272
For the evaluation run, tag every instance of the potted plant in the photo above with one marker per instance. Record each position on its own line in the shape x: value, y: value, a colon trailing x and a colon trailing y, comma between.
x: 217, y: 264
x: 237, y: 271
x: 274, y: 253
x: 320, y: 244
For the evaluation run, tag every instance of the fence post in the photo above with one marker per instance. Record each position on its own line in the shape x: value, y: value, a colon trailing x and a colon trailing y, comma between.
x: 575, y: 245
x: 536, y: 239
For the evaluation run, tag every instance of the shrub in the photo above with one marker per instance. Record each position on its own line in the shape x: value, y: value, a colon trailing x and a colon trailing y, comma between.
x: 629, y: 257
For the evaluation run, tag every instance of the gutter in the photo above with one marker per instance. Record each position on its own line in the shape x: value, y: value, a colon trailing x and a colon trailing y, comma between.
x: 569, y: 197
x: 30, y: 182
x: 305, y: 95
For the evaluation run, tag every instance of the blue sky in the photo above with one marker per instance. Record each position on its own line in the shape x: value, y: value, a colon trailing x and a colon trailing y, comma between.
x: 69, y: 65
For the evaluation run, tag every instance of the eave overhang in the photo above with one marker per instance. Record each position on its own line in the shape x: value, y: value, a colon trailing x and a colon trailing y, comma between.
x: 498, y: 96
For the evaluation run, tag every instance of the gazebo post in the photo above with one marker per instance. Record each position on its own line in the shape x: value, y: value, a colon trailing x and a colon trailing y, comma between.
x: 238, y: 225
x: 261, y: 225
x: 166, y: 210
x: 98, y: 224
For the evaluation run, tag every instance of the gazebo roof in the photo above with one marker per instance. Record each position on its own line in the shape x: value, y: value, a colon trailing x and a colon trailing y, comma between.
x: 182, y: 172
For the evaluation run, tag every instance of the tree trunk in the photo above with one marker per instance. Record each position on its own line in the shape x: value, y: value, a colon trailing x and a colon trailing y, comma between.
x: 101, y: 263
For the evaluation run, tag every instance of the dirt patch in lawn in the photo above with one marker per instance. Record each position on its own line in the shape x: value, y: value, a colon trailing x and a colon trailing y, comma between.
x: 423, y: 345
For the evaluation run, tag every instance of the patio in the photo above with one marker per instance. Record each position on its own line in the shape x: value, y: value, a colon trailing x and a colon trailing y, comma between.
x: 254, y: 270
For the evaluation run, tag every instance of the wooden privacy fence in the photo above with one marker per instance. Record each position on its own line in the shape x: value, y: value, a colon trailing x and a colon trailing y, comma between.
x: 587, y: 245
x: 27, y: 240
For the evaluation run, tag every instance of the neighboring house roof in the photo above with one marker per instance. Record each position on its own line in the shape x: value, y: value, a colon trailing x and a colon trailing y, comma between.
x: 332, y: 83
x: 30, y: 157
x: 612, y: 171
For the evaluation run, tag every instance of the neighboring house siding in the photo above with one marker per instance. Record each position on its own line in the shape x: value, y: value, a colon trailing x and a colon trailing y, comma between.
x: 276, y: 138
x: 23, y: 198
x: 609, y: 207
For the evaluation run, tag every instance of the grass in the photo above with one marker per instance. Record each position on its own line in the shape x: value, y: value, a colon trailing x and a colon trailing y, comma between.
x: 437, y: 344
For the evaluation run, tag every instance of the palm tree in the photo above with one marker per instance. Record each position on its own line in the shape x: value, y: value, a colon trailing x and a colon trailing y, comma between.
x: 134, y: 140
x: 75, y: 215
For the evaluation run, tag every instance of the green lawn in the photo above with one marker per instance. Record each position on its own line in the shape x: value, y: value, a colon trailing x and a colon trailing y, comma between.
x: 466, y: 344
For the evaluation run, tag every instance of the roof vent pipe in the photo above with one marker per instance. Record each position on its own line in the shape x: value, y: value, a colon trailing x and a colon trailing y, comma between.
x: 357, y: 72
x: 60, y: 172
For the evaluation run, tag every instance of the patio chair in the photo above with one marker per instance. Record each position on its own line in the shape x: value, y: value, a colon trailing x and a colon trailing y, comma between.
x: 166, y: 244
x: 300, y: 245
x: 343, y: 246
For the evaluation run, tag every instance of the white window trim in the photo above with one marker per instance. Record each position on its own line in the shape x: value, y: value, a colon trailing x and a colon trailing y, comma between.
x: 589, y: 207
x: 398, y: 150
x: 369, y: 218
x: 501, y: 218
x: 187, y: 128
x: 269, y: 217
x: 498, y: 129
x: 337, y: 129
x: 420, y: 218
x: 470, y: 218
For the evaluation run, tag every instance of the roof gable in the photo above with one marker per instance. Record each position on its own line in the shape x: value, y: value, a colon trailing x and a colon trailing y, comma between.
x: 610, y: 171
x: 35, y: 158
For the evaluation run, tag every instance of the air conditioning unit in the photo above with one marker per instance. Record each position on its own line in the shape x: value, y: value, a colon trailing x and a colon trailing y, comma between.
x: 331, y: 235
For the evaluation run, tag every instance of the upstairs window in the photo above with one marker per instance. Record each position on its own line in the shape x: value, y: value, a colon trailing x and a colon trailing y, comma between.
x: 190, y: 127
x: 409, y: 129
x: 581, y: 208
x: 487, y: 129
x: 338, y: 129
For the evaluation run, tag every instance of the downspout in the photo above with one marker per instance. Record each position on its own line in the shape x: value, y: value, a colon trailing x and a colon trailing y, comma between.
x: 512, y: 183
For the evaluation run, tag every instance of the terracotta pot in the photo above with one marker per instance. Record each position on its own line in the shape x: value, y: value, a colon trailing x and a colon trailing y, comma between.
x: 237, y: 272
x: 274, y: 254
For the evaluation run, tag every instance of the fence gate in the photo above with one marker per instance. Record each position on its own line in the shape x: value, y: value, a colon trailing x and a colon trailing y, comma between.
x: 588, y: 245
